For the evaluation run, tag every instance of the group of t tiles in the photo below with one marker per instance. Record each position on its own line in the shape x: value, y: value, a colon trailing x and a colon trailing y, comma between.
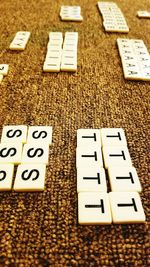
x: 134, y: 54
x: 101, y: 153
x: 61, y: 55
x: 28, y: 149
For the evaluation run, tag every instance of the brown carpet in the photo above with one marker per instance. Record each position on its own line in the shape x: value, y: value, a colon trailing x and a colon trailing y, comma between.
x: 41, y: 229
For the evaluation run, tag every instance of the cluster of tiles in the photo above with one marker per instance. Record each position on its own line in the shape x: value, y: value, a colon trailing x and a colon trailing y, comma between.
x: 28, y: 148
x: 3, y: 71
x: 20, y: 41
x: 95, y: 205
x: 61, y: 56
x: 113, y: 18
x: 70, y: 13
x: 135, y: 59
x: 143, y: 14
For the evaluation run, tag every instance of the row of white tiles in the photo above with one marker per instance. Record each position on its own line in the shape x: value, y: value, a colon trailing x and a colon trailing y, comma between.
x: 134, y: 55
x: 113, y: 18
x: 108, y: 145
x: 135, y: 59
x: 27, y: 147
x: 20, y: 40
x: 28, y: 177
x: 3, y: 71
x: 61, y: 55
x: 71, y: 13
x: 93, y: 179
x: 105, y: 208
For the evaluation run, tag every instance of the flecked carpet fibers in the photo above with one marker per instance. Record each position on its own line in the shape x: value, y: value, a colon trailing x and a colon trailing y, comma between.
x: 41, y: 229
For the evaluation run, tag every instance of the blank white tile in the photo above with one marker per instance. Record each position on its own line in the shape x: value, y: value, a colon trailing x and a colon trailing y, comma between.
x: 113, y: 137
x: 1, y: 78
x: 91, y: 156
x: 126, y: 207
x: 124, y: 179
x: 10, y: 153
x: 90, y: 179
x: 30, y: 177
x: 6, y: 176
x: 94, y: 208
x: 14, y: 133
x: 4, y: 69
x: 34, y: 153
x: 38, y: 134
x: 116, y: 156
x: 88, y: 137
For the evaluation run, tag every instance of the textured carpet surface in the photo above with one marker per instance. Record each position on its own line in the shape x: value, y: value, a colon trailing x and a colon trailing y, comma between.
x: 41, y: 229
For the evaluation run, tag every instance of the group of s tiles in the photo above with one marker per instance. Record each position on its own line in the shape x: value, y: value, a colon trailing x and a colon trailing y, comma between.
x: 62, y: 56
x: 103, y: 153
x: 100, y: 153
x: 27, y: 149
